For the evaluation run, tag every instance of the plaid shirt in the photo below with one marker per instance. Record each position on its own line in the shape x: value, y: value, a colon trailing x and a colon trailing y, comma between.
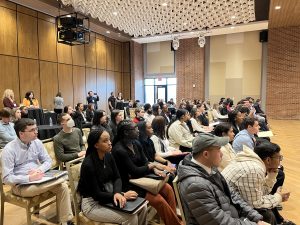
x: 247, y: 175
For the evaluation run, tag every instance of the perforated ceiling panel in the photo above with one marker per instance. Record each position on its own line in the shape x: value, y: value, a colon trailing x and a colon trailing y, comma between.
x: 151, y: 17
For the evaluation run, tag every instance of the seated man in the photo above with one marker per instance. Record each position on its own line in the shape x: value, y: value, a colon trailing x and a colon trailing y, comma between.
x: 207, y: 200
x: 68, y: 143
x: 253, y: 175
x: 7, y: 131
x: 25, y: 159
x: 246, y: 136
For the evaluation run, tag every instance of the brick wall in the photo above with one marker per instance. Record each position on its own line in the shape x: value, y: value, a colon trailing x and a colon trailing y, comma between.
x: 283, y: 73
x: 190, y: 70
x: 137, y: 71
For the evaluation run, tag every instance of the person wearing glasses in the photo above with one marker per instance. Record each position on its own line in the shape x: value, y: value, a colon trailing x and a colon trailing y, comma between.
x: 253, y: 174
x: 25, y: 160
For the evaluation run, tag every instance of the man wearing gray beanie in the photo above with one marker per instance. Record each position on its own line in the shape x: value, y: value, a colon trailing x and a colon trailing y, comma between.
x: 206, y: 197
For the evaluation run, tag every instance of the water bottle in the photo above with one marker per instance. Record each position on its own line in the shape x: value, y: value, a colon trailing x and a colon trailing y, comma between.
x: 50, y: 121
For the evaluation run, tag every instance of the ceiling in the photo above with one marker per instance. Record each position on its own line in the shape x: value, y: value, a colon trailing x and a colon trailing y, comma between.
x: 151, y: 20
x: 288, y: 15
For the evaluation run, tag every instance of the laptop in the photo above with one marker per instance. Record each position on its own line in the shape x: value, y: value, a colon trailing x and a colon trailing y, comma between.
x: 131, y: 207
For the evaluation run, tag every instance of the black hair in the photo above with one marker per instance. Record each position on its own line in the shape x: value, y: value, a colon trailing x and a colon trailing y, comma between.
x: 142, y: 129
x: 147, y: 106
x: 155, y: 108
x: 28, y: 93
x: 58, y: 94
x: 5, y: 113
x: 232, y: 116
x: 93, y: 139
x: 266, y: 149
x: 244, y: 109
x: 113, y: 115
x: 66, y: 108
x: 193, y: 113
x: 60, y: 117
x: 159, y: 126
x: 222, y: 128
x: 21, y: 125
x: 248, y: 121
x: 123, y: 126
x: 98, y: 114
x: 180, y: 113
x: 78, y: 105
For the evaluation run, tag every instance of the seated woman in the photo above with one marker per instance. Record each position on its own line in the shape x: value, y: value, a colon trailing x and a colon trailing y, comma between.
x: 99, y: 169
x: 196, y: 123
x: 145, y: 133
x: 132, y: 163
x: 79, y: 117
x: 30, y: 100
x: 89, y: 112
x: 178, y: 132
x: 100, y: 121
x: 236, y: 118
x: 216, y: 113
x: 9, y: 99
x: 17, y: 115
x: 161, y: 143
x: 225, y: 130
x: 115, y: 118
x: 202, y: 117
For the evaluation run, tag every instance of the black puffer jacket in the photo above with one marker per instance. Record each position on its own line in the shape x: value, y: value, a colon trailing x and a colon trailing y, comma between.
x: 207, y: 199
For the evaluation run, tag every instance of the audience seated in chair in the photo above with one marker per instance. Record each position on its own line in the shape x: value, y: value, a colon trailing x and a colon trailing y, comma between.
x: 100, y: 120
x: 139, y: 115
x: 253, y: 175
x: 23, y: 160
x: 7, y: 131
x: 132, y: 162
x: 178, y: 132
x: 205, y: 196
x: 68, y: 143
x: 100, y: 183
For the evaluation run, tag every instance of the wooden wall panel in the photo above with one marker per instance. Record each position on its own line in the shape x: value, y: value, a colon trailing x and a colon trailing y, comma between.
x: 78, y: 84
x: 90, y: 53
x: 78, y: 55
x: 9, y: 71
x: 110, y: 61
x: 8, y: 32
x: 126, y: 57
x: 46, y: 17
x: 8, y: 4
x: 27, y: 36
x: 118, y: 58
x: 29, y: 77
x: 47, y: 41
x: 26, y: 10
x: 101, y: 89
x: 64, y: 53
x: 126, y: 85
x: 101, y: 54
x: 65, y: 82
x: 90, y: 80
x: 49, y: 83
x: 110, y: 85
x: 118, y: 82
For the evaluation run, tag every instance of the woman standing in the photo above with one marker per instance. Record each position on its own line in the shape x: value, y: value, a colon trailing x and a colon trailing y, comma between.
x: 132, y: 163
x: 99, y: 169
x: 30, y: 100
x: 9, y: 99
x: 58, y: 103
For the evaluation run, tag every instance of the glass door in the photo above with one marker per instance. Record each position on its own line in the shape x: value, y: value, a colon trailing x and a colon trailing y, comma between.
x: 161, y: 92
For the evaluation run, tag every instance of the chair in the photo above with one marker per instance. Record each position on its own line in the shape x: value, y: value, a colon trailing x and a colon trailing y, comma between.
x: 48, y: 144
x: 86, y: 132
x: 132, y: 113
x: 73, y: 168
x: 31, y: 204
x: 177, y: 195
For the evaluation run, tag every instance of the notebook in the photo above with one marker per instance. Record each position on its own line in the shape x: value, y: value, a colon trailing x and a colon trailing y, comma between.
x: 131, y: 207
x: 49, y: 175
x: 265, y: 134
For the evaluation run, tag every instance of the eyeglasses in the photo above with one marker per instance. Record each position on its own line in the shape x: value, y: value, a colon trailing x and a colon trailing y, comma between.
x: 32, y: 130
x: 278, y: 157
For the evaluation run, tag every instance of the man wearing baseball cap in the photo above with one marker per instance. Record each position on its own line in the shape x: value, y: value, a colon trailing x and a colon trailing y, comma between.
x: 206, y: 197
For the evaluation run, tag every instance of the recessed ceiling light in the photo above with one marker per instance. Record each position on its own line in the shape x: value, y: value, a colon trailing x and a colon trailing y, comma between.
x: 144, y: 29
x: 115, y: 13
x: 192, y: 32
x: 232, y: 27
x: 108, y: 32
x: 277, y: 7
x: 233, y: 17
x: 164, y: 4
x: 184, y: 24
